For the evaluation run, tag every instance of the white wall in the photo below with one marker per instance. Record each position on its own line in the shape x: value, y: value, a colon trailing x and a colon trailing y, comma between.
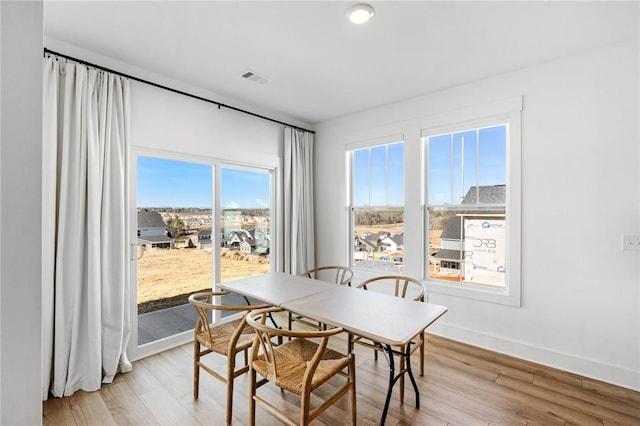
x: 580, y: 191
x: 20, y: 211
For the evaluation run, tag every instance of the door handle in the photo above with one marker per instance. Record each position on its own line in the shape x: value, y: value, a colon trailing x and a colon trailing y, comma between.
x: 134, y: 249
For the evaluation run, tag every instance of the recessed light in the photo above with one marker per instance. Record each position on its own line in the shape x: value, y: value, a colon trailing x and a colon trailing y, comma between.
x: 360, y: 13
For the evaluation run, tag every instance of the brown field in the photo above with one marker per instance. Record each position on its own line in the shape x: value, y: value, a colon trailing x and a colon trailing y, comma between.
x: 164, y: 273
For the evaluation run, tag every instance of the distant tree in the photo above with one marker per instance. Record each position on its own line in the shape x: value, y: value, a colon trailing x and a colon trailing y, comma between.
x: 176, y: 227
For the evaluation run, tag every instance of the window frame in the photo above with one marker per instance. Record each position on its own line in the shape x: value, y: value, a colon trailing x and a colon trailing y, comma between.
x: 349, y: 211
x: 502, y: 112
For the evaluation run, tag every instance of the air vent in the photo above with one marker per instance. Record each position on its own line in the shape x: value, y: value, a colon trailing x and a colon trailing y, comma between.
x: 250, y: 75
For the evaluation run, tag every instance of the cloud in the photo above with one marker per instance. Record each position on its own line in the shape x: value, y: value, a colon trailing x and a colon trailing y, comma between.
x: 232, y: 205
x: 261, y: 203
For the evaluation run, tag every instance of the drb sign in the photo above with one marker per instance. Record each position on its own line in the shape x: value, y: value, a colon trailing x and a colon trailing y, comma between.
x: 484, y: 247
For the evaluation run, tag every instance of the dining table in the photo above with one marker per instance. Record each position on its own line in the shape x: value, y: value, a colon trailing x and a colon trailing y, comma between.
x: 387, y: 320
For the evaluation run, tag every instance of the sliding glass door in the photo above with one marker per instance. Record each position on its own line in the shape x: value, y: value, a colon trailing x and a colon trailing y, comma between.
x: 195, y: 223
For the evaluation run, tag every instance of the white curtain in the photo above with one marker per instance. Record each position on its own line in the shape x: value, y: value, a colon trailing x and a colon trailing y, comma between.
x: 299, y: 224
x: 86, y: 322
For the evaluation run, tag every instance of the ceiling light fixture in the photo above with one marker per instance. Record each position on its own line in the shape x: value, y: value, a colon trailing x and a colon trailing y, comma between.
x: 360, y: 13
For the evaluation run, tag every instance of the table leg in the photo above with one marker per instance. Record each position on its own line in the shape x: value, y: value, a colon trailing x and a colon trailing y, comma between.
x: 408, y: 369
x: 393, y: 377
x: 275, y: 324
x: 392, y: 381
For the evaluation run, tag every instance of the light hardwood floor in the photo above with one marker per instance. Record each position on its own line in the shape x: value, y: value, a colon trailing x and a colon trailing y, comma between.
x: 462, y: 385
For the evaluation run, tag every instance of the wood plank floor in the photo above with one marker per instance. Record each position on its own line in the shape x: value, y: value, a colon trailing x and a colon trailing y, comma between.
x: 462, y: 385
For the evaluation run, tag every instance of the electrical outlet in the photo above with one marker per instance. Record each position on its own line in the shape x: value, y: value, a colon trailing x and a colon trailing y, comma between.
x: 631, y: 242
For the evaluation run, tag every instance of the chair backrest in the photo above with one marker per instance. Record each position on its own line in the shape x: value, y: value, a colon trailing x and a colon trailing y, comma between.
x: 397, y: 285
x: 265, y: 333
x: 207, y: 301
x: 338, y: 274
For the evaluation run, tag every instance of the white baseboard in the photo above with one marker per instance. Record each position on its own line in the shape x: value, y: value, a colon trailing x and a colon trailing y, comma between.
x: 567, y: 362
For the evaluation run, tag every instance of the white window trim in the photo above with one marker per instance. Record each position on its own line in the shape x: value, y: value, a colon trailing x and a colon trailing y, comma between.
x: 508, y: 110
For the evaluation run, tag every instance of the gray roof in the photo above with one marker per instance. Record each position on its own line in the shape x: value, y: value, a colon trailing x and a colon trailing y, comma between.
x: 489, y: 194
x: 398, y: 239
x: 150, y: 220
x: 367, y: 243
x: 243, y: 233
x: 448, y: 254
x: 452, y: 229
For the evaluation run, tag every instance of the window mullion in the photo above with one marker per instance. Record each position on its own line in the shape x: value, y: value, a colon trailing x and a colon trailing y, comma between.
x: 452, y: 167
x: 478, y: 166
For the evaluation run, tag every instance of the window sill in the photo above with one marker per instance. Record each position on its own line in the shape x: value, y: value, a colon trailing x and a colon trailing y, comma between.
x: 475, y: 292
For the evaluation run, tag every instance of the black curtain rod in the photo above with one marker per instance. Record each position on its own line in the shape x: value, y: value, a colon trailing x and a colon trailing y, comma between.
x: 180, y: 92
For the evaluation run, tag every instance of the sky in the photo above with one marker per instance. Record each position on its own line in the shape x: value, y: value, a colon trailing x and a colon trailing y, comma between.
x: 171, y: 183
x: 378, y: 179
x: 378, y: 176
x: 457, y: 161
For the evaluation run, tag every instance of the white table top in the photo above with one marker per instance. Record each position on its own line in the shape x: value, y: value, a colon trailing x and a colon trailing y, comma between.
x: 276, y: 288
x: 380, y: 317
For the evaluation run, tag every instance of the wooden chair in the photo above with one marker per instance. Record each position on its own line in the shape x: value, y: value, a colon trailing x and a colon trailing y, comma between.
x: 340, y: 275
x: 398, y: 286
x: 299, y: 366
x: 227, y: 338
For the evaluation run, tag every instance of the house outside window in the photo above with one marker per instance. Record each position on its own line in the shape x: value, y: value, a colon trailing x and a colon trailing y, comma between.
x: 376, y: 206
x: 472, y: 209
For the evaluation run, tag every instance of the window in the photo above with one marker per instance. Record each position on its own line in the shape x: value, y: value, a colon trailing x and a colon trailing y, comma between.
x: 466, y: 206
x: 377, y: 207
x: 471, y: 181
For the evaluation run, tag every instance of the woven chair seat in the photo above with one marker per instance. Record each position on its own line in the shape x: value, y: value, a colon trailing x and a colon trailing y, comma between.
x: 220, y: 335
x: 299, y: 366
x: 292, y: 359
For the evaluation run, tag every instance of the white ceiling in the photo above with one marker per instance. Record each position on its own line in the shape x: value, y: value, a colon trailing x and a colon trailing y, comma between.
x: 319, y: 65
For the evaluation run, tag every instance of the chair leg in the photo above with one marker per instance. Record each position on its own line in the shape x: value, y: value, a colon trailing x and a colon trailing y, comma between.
x: 252, y: 393
x: 305, y: 402
x: 196, y: 368
x: 231, y: 369
x: 352, y: 378
x: 402, y: 364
